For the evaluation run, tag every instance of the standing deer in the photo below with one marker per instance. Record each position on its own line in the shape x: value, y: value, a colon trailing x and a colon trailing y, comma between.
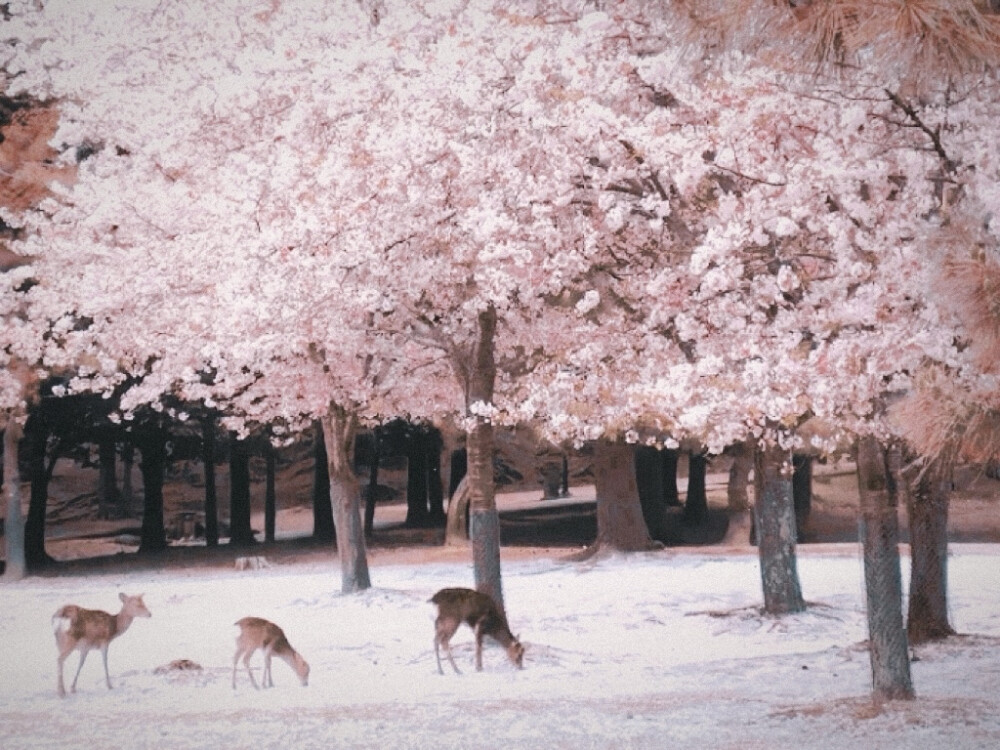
x: 482, y: 614
x: 257, y: 633
x: 82, y: 629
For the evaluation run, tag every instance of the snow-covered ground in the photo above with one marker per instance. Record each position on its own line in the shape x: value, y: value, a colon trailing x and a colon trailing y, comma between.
x: 658, y: 650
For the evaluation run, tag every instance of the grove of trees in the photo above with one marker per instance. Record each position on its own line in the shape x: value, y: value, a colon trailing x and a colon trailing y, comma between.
x: 688, y: 223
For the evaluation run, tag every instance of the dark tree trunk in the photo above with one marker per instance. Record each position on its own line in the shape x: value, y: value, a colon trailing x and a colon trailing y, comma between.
x: 802, y: 473
x: 649, y: 480
x: 128, y: 491
x: 620, y: 523
x: 457, y: 527
x: 739, y: 527
x: 153, y: 449
x: 16, y: 566
x: 888, y: 648
x: 371, y: 492
x: 484, y: 520
x: 696, y: 501
x: 240, y: 529
x: 345, y: 498
x: 270, y: 496
x: 459, y: 468
x: 737, y: 490
x: 435, y: 486
x: 323, y: 528
x: 37, y: 434
x: 927, y: 507
x: 564, y: 489
x: 211, y: 493
x: 417, y: 515
x: 671, y: 495
x: 108, y: 499
x: 774, y: 518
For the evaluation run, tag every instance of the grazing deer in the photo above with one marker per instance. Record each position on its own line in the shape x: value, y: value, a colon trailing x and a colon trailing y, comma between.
x: 257, y: 633
x: 482, y: 614
x: 82, y: 629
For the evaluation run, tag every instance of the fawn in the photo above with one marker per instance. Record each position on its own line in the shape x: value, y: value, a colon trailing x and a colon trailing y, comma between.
x: 82, y: 629
x: 458, y: 605
x: 258, y: 633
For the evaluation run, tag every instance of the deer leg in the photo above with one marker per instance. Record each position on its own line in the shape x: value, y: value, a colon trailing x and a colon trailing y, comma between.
x: 268, y: 682
x: 104, y: 657
x: 479, y: 645
x: 83, y: 658
x: 444, y: 629
x: 236, y: 661
x: 63, y: 653
x: 246, y: 663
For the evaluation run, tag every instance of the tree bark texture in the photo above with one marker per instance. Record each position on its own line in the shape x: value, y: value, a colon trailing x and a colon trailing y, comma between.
x: 435, y: 485
x: 153, y: 449
x: 417, y: 513
x: 649, y: 480
x: 774, y: 518
x: 16, y: 566
x: 270, y: 495
x: 484, y: 520
x: 323, y: 529
x: 620, y: 522
x: 696, y: 499
x: 211, y: 493
x: 108, y: 498
x: 802, y: 473
x: 37, y: 434
x: 888, y: 648
x: 339, y: 427
x: 240, y: 530
x: 371, y: 493
x: 927, y: 507
x: 737, y: 489
x: 456, y: 531
x: 671, y: 495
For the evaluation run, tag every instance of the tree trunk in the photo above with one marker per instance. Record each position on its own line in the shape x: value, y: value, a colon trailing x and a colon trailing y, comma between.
x: 270, y: 497
x: 371, y: 493
x: 240, y: 529
x: 128, y: 492
x: 435, y: 487
x: 323, y: 529
x: 345, y: 498
x: 459, y: 468
x: 671, y: 495
x: 107, y: 477
x: 649, y: 481
x: 739, y: 522
x: 774, y: 517
x: 211, y: 494
x: 879, y: 532
x: 802, y: 473
x: 16, y: 566
x: 417, y: 515
x: 927, y: 507
x: 37, y: 434
x: 456, y: 532
x: 696, y: 500
x: 484, y: 520
x: 153, y: 537
x: 737, y: 490
x: 620, y: 523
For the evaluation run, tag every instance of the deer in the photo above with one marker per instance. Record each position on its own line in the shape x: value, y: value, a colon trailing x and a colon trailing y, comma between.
x: 258, y: 633
x: 79, y: 629
x: 481, y: 613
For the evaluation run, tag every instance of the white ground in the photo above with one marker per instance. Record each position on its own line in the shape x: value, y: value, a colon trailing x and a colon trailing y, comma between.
x: 658, y: 650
